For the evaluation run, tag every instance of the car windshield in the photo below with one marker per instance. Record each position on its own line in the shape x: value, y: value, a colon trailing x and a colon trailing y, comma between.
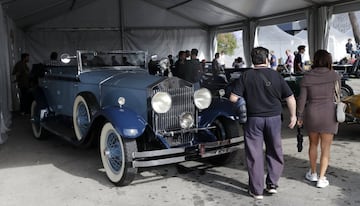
x: 118, y: 59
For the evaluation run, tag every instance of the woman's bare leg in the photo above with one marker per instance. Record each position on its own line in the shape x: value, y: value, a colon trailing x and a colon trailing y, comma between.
x: 326, y: 141
x: 313, y: 147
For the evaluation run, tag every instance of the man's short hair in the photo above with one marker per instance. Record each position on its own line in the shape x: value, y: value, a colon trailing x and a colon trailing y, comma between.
x: 24, y: 55
x: 301, y: 47
x: 259, y: 55
x: 194, y: 52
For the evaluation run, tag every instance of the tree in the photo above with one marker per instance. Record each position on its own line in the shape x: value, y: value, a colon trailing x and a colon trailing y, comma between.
x: 355, y: 26
x: 226, y: 42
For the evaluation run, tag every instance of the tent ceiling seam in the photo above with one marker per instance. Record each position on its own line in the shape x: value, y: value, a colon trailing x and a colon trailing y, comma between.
x: 202, y: 24
x: 178, y: 4
x: 311, y: 2
x: 49, y: 7
x: 41, y: 9
x: 225, y: 8
x: 239, y: 24
x: 72, y: 4
x: 5, y: 2
x: 65, y: 29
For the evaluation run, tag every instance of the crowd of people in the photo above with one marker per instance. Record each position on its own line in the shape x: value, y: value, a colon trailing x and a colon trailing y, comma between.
x: 190, y: 68
x: 187, y: 66
x: 263, y: 90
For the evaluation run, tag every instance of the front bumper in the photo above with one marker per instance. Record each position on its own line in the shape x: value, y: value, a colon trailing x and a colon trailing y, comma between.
x: 176, y: 155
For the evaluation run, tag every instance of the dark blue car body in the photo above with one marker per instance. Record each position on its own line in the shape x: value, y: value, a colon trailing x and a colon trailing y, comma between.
x: 124, y: 108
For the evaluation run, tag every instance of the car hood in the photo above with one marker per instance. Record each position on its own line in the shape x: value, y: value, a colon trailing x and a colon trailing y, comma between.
x: 137, y: 79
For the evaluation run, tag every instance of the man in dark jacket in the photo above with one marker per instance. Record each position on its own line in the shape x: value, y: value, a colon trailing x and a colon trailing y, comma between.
x: 21, y: 72
x: 298, y: 64
x: 193, y: 69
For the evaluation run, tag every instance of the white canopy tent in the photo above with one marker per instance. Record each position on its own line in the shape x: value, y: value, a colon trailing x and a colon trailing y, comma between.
x: 275, y: 39
x: 157, y: 26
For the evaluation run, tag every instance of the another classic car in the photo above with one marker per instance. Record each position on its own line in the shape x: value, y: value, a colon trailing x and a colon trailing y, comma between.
x: 222, y: 82
x: 352, y: 108
x: 139, y: 120
x: 293, y: 80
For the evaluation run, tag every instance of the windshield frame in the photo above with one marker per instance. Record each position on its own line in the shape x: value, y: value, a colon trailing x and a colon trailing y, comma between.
x: 137, y: 60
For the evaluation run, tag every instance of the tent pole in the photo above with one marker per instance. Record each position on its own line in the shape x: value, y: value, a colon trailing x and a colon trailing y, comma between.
x: 121, y: 22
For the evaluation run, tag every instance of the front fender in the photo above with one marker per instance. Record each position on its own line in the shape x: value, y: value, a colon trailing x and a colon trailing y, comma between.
x: 218, y: 107
x: 127, y: 122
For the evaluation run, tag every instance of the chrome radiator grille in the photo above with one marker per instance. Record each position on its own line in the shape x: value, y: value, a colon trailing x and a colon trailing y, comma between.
x: 182, y: 101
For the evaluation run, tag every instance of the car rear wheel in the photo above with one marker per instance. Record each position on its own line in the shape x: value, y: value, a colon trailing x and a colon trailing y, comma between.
x: 224, y: 129
x: 116, y: 155
x: 38, y: 131
x: 346, y: 90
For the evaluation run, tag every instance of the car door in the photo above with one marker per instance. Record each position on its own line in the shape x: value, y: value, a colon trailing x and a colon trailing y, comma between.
x: 60, y: 87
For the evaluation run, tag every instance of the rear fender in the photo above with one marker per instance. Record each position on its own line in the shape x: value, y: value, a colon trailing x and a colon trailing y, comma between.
x: 126, y: 122
x: 39, y: 96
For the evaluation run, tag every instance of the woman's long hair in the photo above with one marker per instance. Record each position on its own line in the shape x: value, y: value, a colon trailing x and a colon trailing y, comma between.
x: 322, y: 58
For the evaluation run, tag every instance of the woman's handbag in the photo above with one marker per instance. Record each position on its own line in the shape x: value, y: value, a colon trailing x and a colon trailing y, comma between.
x: 340, y: 106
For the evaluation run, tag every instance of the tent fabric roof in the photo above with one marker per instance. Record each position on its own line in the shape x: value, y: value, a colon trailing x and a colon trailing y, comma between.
x: 200, y: 13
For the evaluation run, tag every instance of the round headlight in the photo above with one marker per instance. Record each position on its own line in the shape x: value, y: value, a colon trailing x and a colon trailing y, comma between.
x: 161, y: 102
x: 202, y: 98
x: 186, y: 120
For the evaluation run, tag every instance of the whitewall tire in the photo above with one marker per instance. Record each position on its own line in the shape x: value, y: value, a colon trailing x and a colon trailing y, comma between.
x: 81, y: 117
x: 116, y: 155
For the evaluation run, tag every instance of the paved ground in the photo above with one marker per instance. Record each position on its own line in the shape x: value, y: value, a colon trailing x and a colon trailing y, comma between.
x: 52, y: 172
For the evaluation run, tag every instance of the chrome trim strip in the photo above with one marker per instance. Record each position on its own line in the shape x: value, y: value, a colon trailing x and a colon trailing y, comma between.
x: 155, y: 153
x: 158, y: 162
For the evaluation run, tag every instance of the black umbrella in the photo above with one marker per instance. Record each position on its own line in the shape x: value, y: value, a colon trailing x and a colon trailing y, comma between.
x: 299, y: 139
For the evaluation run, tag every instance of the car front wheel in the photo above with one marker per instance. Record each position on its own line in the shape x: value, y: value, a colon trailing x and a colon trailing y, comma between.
x: 116, y: 156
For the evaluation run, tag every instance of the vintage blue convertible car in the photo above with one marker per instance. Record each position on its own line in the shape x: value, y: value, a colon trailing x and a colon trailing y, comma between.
x: 136, y: 119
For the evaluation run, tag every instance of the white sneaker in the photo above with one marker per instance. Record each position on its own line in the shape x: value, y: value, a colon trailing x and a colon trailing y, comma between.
x: 256, y: 197
x: 312, y: 177
x: 323, y: 182
x: 271, y: 189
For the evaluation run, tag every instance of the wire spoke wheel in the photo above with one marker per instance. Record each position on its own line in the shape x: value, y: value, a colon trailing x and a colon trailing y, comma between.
x: 116, y: 155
